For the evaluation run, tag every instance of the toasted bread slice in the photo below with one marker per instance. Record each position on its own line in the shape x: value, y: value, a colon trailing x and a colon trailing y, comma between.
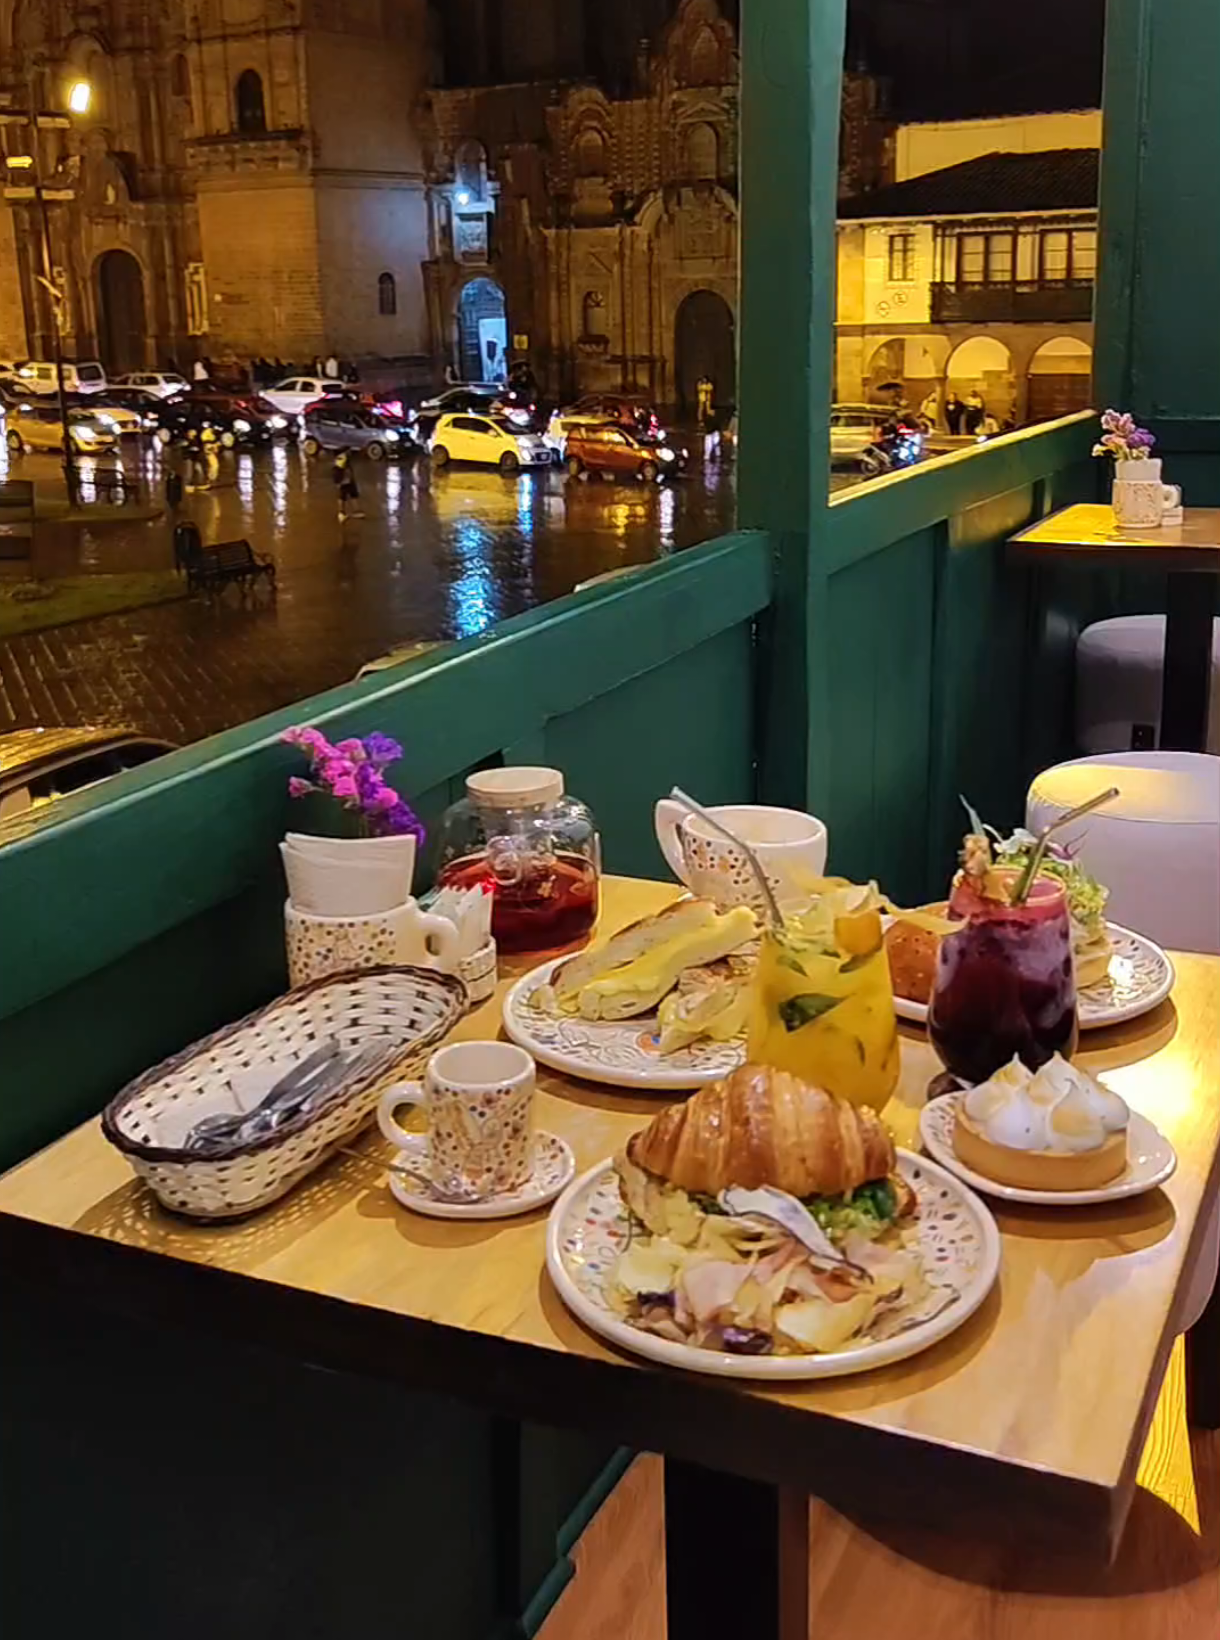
x: 638, y: 938
x: 636, y: 987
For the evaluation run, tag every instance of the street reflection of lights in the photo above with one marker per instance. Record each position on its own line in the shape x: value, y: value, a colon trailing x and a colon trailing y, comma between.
x: 667, y: 510
x: 525, y: 504
x: 393, y: 487
x: 245, y: 481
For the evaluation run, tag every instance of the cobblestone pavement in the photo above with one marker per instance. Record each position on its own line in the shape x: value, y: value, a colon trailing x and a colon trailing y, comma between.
x: 436, y: 556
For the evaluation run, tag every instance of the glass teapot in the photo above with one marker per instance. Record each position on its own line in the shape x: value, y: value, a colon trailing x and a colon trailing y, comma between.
x: 537, y: 850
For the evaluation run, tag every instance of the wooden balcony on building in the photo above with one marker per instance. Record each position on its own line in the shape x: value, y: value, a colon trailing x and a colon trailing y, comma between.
x: 1067, y: 301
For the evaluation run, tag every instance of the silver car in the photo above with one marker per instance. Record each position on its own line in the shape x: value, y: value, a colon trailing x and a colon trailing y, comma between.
x: 342, y: 425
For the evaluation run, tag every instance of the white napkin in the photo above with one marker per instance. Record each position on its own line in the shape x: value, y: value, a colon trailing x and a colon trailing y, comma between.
x: 469, y: 910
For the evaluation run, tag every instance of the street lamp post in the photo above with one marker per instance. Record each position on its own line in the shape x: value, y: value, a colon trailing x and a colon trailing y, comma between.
x: 38, y: 193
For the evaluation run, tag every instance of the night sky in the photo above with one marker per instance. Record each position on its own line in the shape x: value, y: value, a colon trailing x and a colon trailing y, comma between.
x: 951, y: 59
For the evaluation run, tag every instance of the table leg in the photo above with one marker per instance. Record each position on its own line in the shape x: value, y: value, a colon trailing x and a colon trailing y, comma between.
x: 1188, y: 663
x: 1203, y: 1367
x: 736, y: 1557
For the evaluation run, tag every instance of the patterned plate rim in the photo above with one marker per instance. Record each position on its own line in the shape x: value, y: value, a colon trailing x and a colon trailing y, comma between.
x: 524, y: 1200
x: 1123, y: 1188
x: 778, y: 1367
x: 916, y: 1013
x: 661, y: 1080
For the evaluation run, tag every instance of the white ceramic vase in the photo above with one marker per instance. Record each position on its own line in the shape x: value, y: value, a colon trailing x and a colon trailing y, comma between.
x: 1140, y: 500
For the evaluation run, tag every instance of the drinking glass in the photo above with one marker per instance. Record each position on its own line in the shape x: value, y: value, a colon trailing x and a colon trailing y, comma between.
x: 823, y: 1007
x: 1005, y: 983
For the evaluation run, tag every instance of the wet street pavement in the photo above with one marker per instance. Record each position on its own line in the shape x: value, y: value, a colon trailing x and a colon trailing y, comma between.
x: 436, y: 556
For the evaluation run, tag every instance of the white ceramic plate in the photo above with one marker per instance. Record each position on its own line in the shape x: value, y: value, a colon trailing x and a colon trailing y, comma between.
x: 1151, y: 1160
x: 554, y: 1165
x: 1140, y: 978
x: 588, y: 1229
x: 622, y: 1052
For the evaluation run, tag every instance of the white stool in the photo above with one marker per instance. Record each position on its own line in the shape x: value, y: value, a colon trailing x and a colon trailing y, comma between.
x: 1120, y: 667
x: 1156, y: 848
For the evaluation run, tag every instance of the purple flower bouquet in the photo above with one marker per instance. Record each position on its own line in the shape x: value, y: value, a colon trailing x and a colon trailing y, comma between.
x: 353, y: 773
x: 1122, y: 439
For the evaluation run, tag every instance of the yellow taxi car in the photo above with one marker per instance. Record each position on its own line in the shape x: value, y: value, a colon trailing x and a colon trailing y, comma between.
x: 38, y: 427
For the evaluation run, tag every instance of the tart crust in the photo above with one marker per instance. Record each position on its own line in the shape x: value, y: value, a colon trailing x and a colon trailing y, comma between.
x: 1038, y: 1169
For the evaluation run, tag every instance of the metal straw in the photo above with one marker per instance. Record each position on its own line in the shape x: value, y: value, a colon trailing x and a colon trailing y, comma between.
x: 1026, y: 880
x: 774, y: 916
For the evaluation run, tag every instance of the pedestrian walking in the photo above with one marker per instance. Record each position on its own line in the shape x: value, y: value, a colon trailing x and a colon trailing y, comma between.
x: 199, y: 371
x: 954, y: 411
x: 930, y: 409
x: 346, y: 487
x: 976, y: 410
x: 704, y: 398
x: 331, y: 368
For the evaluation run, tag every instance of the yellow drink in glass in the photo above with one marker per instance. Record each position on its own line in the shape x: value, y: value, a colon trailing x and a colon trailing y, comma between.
x: 823, y: 1007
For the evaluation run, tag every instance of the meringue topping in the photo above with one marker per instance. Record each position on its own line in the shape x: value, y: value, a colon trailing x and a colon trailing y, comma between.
x: 1058, y: 1108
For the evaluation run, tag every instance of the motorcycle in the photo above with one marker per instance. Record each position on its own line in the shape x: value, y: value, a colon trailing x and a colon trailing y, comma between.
x: 900, y: 445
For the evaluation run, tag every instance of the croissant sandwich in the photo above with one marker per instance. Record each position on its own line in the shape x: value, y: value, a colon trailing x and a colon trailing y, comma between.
x: 760, y: 1127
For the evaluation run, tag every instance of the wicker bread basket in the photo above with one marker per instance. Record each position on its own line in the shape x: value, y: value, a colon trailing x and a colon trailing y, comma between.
x: 411, y: 1007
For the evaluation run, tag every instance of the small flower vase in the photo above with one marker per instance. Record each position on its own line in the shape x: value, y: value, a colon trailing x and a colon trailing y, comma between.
x: 1139, y: 498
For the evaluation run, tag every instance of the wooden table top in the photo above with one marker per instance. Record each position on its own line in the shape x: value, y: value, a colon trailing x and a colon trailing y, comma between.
x: 1089, y: 532
x: 1034, y: 1412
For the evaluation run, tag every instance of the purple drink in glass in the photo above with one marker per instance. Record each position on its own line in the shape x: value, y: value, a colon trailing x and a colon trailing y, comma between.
x: 1005, y: 984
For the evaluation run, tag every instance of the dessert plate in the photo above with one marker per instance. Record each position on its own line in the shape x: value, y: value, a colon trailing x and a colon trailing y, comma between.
x: 554, y: 1165
x: 1151, y: 1160
x: 589, y: 1227
x: 1140, y: 977
x: 622, y: 1052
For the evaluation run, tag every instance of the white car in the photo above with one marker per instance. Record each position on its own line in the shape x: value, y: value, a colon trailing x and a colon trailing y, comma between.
x: 490, y: 442
x: 561, y: 424
x: 853, y: 427
x: 39, y: 376
x: 296, y: 393
x: 159, y: 383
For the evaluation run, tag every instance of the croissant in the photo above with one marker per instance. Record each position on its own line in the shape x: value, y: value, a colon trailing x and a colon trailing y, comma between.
x: 761, y: 1126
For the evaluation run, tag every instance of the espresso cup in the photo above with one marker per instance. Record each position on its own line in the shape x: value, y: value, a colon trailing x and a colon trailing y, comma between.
x: 478, y: 1099
x: 789, y: 845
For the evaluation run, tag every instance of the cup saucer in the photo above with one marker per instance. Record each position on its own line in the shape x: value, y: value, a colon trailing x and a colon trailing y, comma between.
x: 554, y: 1165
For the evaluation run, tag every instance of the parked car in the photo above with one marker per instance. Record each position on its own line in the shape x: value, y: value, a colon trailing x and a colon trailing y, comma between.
x: 111, y: 411
x: 38, y: 427
x: 39, y: 765
x: 490, y: 441
x: 853, y: 427
x: 160, y: 383
x: 340, y: 424
x: 83, y: 376
x: 137, y: 401
x: 629, y: 410
x: 235, y: 418
x: 618, y: 453
x: 295, y: 394
x: 485, y: 398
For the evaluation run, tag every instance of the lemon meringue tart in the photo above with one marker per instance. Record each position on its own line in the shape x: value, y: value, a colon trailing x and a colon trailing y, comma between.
x: 1053, y: 1129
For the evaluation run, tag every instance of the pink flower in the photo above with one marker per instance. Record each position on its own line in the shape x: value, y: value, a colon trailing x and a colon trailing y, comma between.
x: 309, y: 740
x: 300, y: 788
x: 336, y: 768
x: 352, y: 749
x: 343, y: 788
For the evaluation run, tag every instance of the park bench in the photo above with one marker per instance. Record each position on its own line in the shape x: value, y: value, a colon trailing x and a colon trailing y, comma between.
x: 212, y: 568
x: 16, y: 518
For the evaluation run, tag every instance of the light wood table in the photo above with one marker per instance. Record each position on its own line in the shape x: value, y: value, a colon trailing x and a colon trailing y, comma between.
x: 1031, y: 1418
x: 1088, y: 534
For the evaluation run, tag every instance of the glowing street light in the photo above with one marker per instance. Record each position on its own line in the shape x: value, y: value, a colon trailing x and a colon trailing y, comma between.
x: 19, y: 162
x: 463, y: 198
x: 80, y: 95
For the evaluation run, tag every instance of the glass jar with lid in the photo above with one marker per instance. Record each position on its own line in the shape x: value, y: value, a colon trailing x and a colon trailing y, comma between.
x: 537, y: 851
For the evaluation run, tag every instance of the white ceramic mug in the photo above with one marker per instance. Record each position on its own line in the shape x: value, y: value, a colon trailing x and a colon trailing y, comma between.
x: 478, y: 1098
x: 789, y: 844
x: 331, y: 945
x: 1139, y: 498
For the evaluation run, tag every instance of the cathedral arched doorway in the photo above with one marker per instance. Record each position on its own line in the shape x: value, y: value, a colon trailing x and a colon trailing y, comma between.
x: 705, y: 345
x: 482, y: 332
x: 121, y: 326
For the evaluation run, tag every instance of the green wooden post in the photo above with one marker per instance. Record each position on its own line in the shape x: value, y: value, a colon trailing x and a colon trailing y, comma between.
x: 1158, y: 344
x: 792, y: 60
